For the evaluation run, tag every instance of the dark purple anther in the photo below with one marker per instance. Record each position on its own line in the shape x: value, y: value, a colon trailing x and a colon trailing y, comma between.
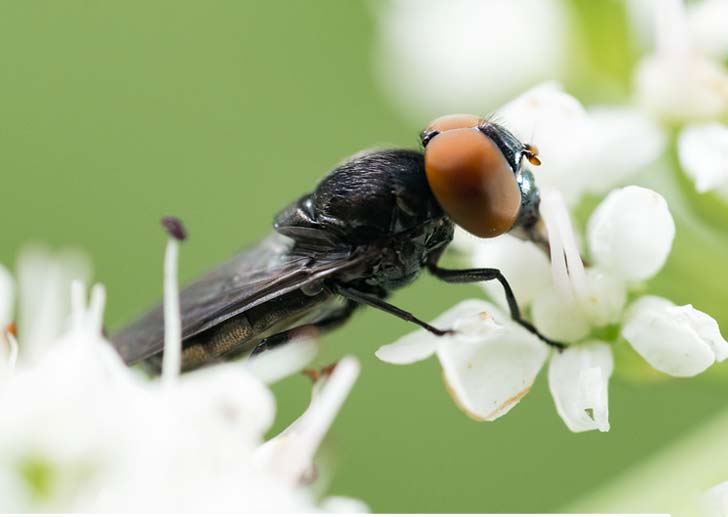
x: 174, y: 228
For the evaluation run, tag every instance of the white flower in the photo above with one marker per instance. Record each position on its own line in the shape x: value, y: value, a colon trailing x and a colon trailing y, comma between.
x: 490, y: 362
x: 79, y: 431
x: 715, y: 501
x: 606, y: 144
x: 677, y: 82
x: 703, y: 153
x: 466, y: 55
x: 706, y: 21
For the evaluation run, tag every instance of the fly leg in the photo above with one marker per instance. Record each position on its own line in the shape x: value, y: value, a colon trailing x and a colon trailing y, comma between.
x: 458, y: 276
x: 326, y: 324
x: 376, y: 302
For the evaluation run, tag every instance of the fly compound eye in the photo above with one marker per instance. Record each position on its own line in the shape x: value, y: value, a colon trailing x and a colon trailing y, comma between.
x: 447, y: 123
x: 472, y: 181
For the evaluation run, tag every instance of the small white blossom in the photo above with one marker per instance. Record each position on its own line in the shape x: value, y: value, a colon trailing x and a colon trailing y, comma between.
x: 715, y: 501
x: 466, y: 55
x: 581, y: 150
x: 677, y: 82
x: 703, y: 153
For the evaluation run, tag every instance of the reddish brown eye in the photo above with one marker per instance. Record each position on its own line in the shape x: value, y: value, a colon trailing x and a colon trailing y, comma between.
x: 472, y: 181
x: 448, y: 122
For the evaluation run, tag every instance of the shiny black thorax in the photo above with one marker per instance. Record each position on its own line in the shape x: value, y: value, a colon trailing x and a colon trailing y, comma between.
x: 378, y: 200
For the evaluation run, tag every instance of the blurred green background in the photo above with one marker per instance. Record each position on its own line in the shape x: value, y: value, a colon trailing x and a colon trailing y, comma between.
x: 113, y: 114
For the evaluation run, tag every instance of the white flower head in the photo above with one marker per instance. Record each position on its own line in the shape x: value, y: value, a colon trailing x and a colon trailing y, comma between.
x: 490, y: 362
x: 703, y: 153
x: 678, y: 82
x: 606, y: 144
x: 437, y: 57
x: 80, y: 431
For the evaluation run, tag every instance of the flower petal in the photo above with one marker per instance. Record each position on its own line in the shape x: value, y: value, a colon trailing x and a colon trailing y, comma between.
x: 625, y: 140
x: 706, y: 20
x: 558, y: 317
x: 7, y: 297
x: 340, y: 504
x: 452, y: 69
x: 604, y: 297
x: 578, y: 379
x: 524, y: 265
x: 703, y: 153
x: 489, y: 372
x: 283, y: 361
x: 546, y: 117
x: 679, y: 341
x: 682, y: 87
x: 631, y: 232
x: 44, y: 280
x: 421, y: 344
x: 715, y: 501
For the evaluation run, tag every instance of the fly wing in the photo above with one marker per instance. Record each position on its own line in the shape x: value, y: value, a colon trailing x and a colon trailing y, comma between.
x: 257, y: 274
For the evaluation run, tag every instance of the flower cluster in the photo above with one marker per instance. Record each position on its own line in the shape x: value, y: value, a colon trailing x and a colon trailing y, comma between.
x: 490, y: 363
x: 79, y: 431
x: 596, y: 304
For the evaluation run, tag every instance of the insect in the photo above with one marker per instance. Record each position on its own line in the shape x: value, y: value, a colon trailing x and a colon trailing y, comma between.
x: 370, y: 227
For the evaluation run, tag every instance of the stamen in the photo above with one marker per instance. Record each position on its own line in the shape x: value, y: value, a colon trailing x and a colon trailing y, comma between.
x: 567, y: 267
x: 13, y: 343
x: 95, y: 313
x: 559, y: 272
x: 78, y: 304
x: 171, y: 361
x: 574, y: 263
x: 174, y: 228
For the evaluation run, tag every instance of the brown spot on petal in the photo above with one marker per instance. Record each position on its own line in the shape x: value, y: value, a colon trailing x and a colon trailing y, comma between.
x: 10, y: 328
x: 491, y: 416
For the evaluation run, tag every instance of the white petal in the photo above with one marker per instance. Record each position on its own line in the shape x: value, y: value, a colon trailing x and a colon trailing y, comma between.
x: 524, y: 265
x: 625, y: 140
x: 283, y: 361
x: 546, y: 117
x: 604, y: 297
x: 682, y: 87
x: 706, y: 20
x: 291, y: 453
x: 452, y: 70
x: 715, y: 501
x: 44, y: 280
x: 340, y: 504
x: 491, y: 369
x: 225, y: 398
x: 7, y: 297
x: 421, y: 344
x: 560, y: 318
x: 703, y: 153
x: 578, y: 379
x: 679, y: 341
x: 631, y: 232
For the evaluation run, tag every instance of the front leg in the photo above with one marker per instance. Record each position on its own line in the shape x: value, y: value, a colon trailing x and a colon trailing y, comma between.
x: 460, y: 276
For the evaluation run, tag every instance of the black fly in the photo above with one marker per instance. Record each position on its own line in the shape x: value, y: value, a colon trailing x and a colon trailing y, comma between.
x: 367, y: 229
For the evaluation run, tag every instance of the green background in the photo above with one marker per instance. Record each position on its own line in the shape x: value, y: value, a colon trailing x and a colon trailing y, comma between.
x: 113, y: 114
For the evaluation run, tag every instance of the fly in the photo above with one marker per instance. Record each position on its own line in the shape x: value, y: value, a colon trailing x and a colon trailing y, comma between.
x: 370, y: 227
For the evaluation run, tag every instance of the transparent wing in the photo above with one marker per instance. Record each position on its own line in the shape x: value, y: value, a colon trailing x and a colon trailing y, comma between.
x: 256, y: 275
